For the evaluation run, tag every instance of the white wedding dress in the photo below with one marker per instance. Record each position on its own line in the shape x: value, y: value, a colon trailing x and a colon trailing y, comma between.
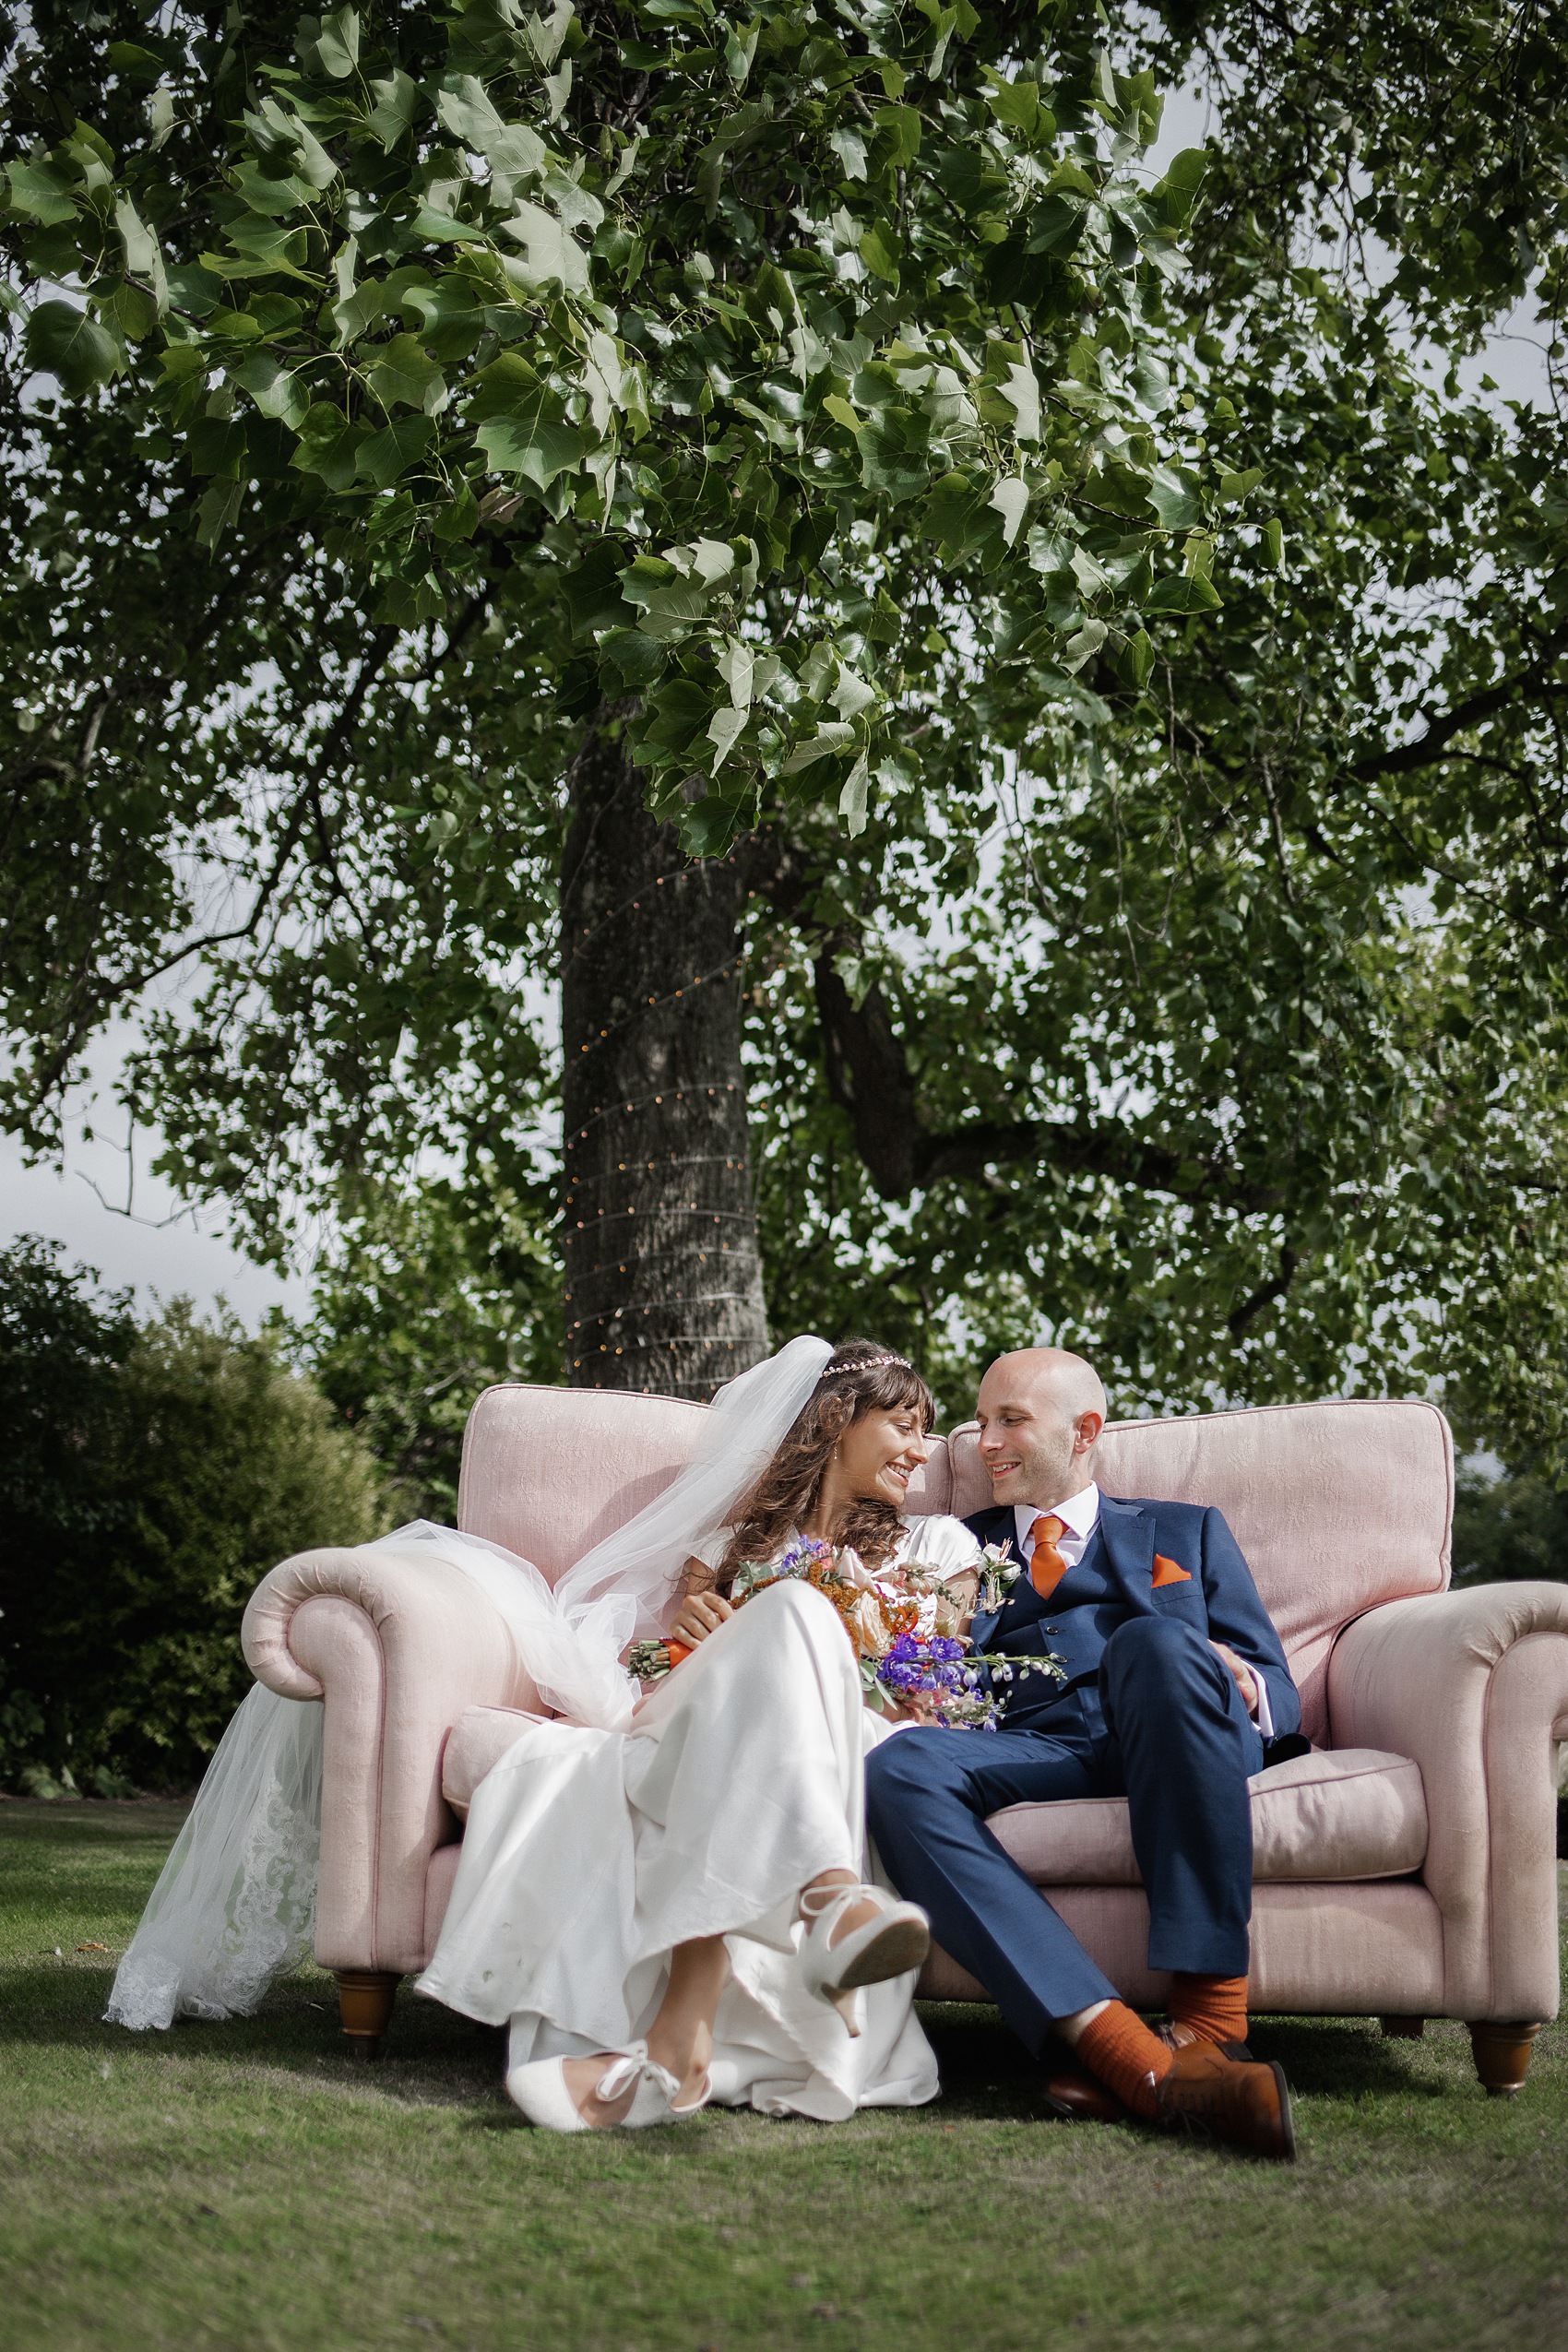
x: 591, y: 1854
x: 604, y: 1838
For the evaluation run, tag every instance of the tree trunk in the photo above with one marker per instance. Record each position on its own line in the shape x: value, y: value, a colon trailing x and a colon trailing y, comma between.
x: 663, y: 1273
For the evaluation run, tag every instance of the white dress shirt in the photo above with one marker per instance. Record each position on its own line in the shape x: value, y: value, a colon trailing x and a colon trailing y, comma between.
x: 1081, y: 1514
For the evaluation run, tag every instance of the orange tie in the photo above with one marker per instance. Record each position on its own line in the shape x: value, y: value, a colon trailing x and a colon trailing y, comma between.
x: 1047, y: 1566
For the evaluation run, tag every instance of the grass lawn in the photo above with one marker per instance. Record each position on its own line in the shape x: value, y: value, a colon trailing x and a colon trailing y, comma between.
x: 245, y: 2185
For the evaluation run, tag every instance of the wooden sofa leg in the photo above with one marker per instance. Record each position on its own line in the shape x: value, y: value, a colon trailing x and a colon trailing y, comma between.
x: 364, y: 2003
x: 1503, y: 2056
x: 1402, y: 2029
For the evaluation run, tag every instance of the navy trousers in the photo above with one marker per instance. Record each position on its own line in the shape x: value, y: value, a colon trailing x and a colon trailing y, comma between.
x: 1170, y: 1734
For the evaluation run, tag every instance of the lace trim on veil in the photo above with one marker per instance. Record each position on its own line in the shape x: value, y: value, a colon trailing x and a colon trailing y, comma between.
x: 235, y: 1903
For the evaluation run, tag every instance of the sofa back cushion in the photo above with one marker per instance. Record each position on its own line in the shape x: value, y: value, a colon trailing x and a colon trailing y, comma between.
x: 1337, y: 1506
x: 549, y: 1472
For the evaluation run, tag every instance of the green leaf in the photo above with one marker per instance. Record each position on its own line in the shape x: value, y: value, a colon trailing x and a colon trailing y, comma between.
x: 218, y: 507
x: 893, y: 453
x: 520, y: 423
x: 1175, y: 495
x: 592, y: 592
x: 630, y: 657
x: 327, y: 445
x: 441, y: 228
x: 132, y: 312
x: 853, y: 798
x: 274, y: 196
x: 740, y: 48
x: 40, y: 192
x: 851, y: 149
x: 142, y: 259
x: 879, y: 250
x: 899, y: 130
x: 1274, y: 543
x: 1010, y: 497
x: 403, y: 376
x: 388, y: 455
x: 724, y: 732
x: 1021, y: 391
x: 70, y: 346
x: 392, y: 115
x: 1015, y: 104
x: 551, y: 256
x: 1137, y: 659
x: 278, y: 391
x: 832, y: 737
x: 1176, y: 195
x: 337, y: 43
x: 195, y: 291
x: 217, y: 445
x: 1183, y: 593
x: 958, y: 514
x: 668, y: 603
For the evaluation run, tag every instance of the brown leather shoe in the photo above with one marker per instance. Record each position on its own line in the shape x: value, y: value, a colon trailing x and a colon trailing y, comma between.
x: 1078, y: 2097
x: 1247, y: 2106
x: 1177, y: 2037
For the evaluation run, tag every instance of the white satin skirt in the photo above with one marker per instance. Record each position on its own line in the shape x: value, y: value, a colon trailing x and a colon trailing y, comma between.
x: 590, y: 1855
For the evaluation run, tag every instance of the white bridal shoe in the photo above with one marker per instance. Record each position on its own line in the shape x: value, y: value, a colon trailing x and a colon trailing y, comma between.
x: 897, y: 1939
x: 540, y: 2089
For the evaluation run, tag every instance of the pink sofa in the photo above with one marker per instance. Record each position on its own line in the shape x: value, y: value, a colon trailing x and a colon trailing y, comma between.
x: 1406, y: 1869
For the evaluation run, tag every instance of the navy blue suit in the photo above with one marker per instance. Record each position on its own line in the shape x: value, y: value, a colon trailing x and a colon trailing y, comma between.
x: 1148, y: 1712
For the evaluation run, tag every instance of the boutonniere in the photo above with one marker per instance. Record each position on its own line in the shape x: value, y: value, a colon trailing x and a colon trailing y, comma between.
x: 999, y: 1572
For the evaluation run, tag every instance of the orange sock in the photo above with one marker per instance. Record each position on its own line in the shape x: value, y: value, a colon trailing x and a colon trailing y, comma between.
x: 1119, y: 2048
x: 1214, y: 2008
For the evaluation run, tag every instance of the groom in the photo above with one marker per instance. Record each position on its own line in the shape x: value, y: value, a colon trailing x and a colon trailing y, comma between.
x: 1176, y: 1689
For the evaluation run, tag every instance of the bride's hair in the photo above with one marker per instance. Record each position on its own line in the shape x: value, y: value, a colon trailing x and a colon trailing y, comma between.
x: 859, y: 1378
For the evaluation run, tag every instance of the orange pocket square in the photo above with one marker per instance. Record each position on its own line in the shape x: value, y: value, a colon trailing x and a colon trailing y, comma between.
x: 1166, y: 1572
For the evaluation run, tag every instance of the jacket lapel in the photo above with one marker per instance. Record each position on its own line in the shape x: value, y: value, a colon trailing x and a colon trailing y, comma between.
x: 995, y: 1525
x: 1127, y: 1531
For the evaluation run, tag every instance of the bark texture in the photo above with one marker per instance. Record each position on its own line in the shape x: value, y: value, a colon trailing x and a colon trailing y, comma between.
x: 663, y: 1273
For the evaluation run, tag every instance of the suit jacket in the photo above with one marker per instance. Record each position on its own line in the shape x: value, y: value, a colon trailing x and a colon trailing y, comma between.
x: 1216, y: 1593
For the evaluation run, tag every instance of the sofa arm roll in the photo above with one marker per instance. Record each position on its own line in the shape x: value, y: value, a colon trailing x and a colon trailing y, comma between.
x: 1473, y: 1685
x: 399, y: 1645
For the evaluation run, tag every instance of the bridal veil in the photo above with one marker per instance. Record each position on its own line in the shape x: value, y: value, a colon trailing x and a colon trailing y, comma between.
x: 235, y: 1903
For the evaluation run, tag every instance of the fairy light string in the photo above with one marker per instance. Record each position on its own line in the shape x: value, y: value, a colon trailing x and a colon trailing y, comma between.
x: 597, y: 1212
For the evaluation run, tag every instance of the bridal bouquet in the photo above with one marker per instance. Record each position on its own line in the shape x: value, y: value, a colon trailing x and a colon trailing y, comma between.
x: 903, y: 1624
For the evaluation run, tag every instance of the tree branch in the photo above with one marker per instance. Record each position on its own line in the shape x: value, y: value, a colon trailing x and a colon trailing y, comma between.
x: 1441, y: 727
x: 1264, y: 1295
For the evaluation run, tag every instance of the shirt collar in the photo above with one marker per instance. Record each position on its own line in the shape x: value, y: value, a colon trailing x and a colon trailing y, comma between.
x: 1080, y: 1513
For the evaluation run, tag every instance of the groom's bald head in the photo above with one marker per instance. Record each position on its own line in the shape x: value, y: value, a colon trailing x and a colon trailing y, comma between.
x: 1041, y: 1412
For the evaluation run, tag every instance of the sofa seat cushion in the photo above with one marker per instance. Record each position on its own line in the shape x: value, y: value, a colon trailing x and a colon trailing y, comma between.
x: 475, y: 1744
x: 1338, y: 1813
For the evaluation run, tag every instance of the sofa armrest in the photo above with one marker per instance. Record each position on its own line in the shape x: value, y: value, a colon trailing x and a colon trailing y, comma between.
x: 1474, y: 1685
x: 399, y: 1648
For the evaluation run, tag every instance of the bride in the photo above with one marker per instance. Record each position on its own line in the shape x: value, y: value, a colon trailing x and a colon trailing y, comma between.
x: 665, y: 1897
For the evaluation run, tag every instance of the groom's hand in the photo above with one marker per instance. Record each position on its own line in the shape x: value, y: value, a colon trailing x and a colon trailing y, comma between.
x: 698, y: 1616
x: 1241, y: 1673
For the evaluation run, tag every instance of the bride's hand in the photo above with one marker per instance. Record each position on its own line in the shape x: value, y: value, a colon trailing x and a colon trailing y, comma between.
x: 699, y: 1615
x: 916, y: 1707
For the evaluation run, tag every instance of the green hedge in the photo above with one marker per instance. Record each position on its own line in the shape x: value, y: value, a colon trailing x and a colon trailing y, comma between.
x: 148, y: 1476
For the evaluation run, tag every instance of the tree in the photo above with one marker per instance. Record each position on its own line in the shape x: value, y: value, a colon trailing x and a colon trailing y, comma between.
x: 150, y: 1477
x: 693, y: 406
x: 1195, y: 986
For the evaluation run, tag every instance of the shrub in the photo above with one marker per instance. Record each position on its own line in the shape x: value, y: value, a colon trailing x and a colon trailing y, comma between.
x: 149, y: 1478
x: 1508, y: 1527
